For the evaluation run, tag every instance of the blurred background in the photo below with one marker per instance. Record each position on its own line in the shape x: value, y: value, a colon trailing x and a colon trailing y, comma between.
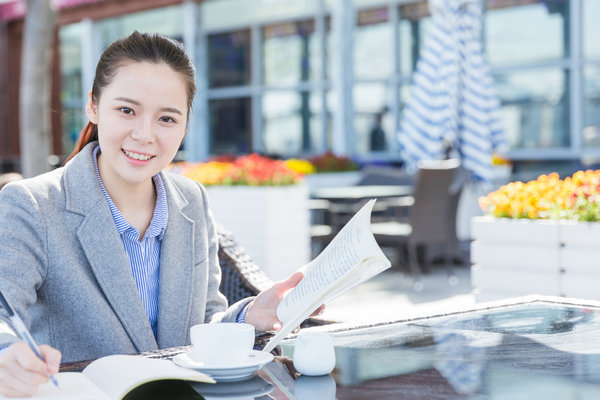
x: 298, y: 78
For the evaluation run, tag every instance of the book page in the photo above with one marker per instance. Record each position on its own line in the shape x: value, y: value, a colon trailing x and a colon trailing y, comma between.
x: 72, y: 385
x: 119, y: 374
x: 350, y: 249
x: 351, y: 258
x: 349, y: 280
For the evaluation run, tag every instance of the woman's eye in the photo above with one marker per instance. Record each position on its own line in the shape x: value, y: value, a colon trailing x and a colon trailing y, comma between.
x: 126, y: 110
x: 167, y: 119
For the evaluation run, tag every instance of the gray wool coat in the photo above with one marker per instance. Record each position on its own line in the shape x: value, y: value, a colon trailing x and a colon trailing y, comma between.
x: 64, y: 269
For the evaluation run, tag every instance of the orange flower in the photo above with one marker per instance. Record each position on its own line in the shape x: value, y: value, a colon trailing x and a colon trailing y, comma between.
x: 252, y: 170
x: 576, y: 197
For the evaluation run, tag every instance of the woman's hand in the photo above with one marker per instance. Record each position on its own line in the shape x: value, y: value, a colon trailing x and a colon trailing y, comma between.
x: 21, y: 371
x: 262, y: 312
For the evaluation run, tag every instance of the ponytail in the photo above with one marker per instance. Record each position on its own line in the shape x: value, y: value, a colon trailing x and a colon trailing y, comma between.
x: 88, y: 134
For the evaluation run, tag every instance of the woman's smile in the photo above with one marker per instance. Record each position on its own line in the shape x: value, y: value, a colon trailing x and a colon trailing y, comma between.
x: 137, y: 156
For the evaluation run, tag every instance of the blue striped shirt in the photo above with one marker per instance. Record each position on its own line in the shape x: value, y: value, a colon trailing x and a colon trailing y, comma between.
x: 144, y: 255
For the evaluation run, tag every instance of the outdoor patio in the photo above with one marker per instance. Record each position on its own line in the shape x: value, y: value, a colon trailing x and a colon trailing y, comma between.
x: 390, y: 296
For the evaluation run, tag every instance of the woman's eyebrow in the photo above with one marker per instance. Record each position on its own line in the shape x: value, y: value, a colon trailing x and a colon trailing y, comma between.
x: 171, y: 110
x: 137, y: 103
x: 128, y: 100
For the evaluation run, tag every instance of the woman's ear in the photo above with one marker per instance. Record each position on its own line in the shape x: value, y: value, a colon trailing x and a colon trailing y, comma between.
x: 91, y: 110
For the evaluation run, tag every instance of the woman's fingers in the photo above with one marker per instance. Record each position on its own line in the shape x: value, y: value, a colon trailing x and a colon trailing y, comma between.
x: 52, y: 357
x: 290, y: 282
x: 22, y: 371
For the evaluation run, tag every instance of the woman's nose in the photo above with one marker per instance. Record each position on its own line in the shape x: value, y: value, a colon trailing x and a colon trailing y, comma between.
x: 144, y: 131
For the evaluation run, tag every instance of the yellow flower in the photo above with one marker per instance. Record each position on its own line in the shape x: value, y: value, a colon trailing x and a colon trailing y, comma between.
x: 548, y: 196
x: 301, y: 166
x: 210, y: 173
x: 500, y: 159
x: 252, y: 169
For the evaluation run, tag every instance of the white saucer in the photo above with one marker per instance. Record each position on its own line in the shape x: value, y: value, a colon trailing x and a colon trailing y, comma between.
x: 249, y: 388
x: 255, y: 360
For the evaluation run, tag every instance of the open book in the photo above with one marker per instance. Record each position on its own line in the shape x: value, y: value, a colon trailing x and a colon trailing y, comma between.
x: 114, y: 377
x: 352, y: 257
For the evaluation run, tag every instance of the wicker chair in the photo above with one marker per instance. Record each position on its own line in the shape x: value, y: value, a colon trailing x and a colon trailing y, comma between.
x: 242, y: 278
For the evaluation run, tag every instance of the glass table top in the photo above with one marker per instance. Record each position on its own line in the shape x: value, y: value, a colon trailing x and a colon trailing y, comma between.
x: 529, y: 348
x: 538, y: 350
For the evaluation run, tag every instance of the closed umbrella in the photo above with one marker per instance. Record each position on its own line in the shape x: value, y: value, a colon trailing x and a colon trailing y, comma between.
x: 453, y: 103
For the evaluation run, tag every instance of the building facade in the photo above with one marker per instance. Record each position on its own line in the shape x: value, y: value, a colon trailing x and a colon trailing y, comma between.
x: 297, y: 78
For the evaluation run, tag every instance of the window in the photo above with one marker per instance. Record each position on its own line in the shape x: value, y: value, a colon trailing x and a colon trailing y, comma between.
x: 166, y: 20
x: 229, y: 59
x: 535, y: 108
x: 372, y: 122
x: 269, y: 80
x: 414, y: 22
x: 291, y: 118
x: 230, y: 124
x: 373, y: 45
x: 591, y: 29
x: 591, y: 106
x: 290, y: 53
x: 530, y: 31
x: 527, y: 43
x: 291, y: 121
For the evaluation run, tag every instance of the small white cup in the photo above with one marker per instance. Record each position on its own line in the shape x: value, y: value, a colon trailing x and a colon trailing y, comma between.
x: 314, y: 353
x: 221, y: 344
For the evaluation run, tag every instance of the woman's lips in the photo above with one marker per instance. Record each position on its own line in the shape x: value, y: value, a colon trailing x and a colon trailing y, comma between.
x: 137, y: 156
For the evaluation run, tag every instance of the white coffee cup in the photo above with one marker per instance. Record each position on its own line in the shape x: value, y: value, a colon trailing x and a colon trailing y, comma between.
x: 314, y: 353
x: 221, y: 344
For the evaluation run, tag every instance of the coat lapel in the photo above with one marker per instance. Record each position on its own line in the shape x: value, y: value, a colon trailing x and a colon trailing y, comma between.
x: 176, y: 271
x: 103, y: 248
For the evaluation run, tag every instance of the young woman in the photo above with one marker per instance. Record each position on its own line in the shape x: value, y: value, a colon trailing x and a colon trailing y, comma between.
x: 108, y: 254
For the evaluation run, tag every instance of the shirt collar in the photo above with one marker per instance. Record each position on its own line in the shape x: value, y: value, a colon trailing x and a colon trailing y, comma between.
x: 160, y: 216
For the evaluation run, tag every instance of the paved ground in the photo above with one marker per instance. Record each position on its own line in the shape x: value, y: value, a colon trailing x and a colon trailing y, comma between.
x: 390, y: 296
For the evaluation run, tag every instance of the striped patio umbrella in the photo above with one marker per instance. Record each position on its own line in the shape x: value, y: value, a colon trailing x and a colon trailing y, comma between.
x: 453, y: 101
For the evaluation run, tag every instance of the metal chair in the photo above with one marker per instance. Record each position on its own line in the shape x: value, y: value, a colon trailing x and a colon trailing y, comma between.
x: 382, y: 175
x: 321, y: 230
x: 431, y: 220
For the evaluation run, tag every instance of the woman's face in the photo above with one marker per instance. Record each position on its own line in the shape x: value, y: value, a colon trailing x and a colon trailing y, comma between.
x: 141, y: 117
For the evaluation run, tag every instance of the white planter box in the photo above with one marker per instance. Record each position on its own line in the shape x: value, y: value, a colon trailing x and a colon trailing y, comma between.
x: 522, y: 257
x: 580, y: 259
x: 270, y: 222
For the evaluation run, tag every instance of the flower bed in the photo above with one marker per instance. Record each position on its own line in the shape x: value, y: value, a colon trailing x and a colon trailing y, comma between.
x: 539, y: 237
x: 250, y: 170
x: 264, y: 202
x: 326, y: 170
x: 264, y: 205
x: 575, y: 198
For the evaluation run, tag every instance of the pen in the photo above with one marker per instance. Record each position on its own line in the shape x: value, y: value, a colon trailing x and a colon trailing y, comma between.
x: 23, y: 331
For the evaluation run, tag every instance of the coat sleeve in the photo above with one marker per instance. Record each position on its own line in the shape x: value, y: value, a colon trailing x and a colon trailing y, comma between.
x: 23, y: 251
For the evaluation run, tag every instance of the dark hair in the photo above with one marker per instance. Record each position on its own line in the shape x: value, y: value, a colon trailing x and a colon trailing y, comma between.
x: 137, y: 47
